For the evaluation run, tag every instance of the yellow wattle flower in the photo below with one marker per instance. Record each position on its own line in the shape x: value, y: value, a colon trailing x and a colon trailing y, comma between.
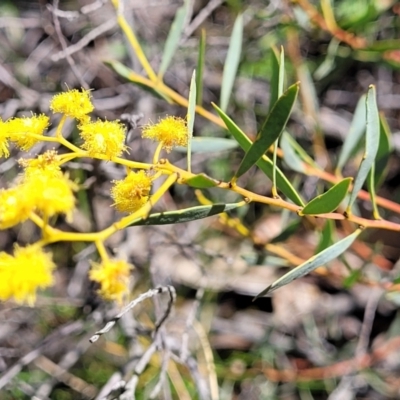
x: 24, y: 273
x: 131, y: 193
x: 103, y: 138
x: 170, y: 131
x: 113, y: 277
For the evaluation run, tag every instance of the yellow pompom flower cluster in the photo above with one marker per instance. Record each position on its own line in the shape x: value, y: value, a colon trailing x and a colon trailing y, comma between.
x: 170, y: 131
x: 113, y: 277
x: 43, y: 188
x: 131, y: 193
x: 22, y: 274
x: 103, y: 138
x: 73, y: 103
x: 24, y: 132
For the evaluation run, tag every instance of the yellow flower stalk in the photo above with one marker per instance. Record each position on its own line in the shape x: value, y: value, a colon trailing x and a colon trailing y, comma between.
x: 113, y: 277
x: 103, y: 138
x: 21, y: 130
x: 24, y: 273
x: 131, y: 193
x: 73, y: 103
x: 170, y: 131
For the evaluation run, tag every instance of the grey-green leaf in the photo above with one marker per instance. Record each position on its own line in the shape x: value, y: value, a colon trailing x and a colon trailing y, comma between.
x: 173, y: 38
x: 187, y: 214
x: 271, y: 129
x: 232, y: 62
x: 328, y: 201
x: 290, y: 156
x: 314, y: 262
x: 207, y: 144
x: 357, y: 128
x: 202, y: 181
x: 265, y: 164
x: 371, y: 145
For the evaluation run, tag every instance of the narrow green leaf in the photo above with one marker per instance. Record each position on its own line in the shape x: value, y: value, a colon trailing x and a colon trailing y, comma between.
x: 187, y: 214
x: 274, y: 81
x: 353, y: 138
x: 200, y: 67
x: 372, y: 191
x: 326, y: 236
x: 379, y: 168
x: 352, y: 279
x: 202, y: 181
x: 289, y: 154
x: 265, y: 164
x: 232, y: 62
x: 314, y: 262
x: 384, y: 150
x: 271, y: 129
x: 190, y: 119
x: 280, y: 92
x: 371, y: 145
x: 173, y: 38
x: 207, y: 144
x: 328, y: 201
x: 132, y: 76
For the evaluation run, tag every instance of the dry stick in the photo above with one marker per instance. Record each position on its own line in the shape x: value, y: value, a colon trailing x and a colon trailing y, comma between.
x: 130, y: 387
x: 93, y: 34
x: 369, y: 316
x: 60, y: 372
x: 134, y: 303
x: 63, y: 44
x: 191, y: 364
x: 348, y: 381
x: 65, y: 330
x: 163, y: 373
x: 209, y: 359
x: 201, y: 16
x: 184, y: 351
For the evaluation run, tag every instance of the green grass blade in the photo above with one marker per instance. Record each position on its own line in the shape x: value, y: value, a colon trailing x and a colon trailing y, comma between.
x: 280, y: 92
x: 328, y: 201
x: 187, y: 214
x: 173, y: 38
x: 190, y: 119
x: 271, y: 129
x: 274, y: 81
x: 200, y: 67
x: 384, y: 150
x: 232, y: 62
x: 314, y: 262
x: 371, y: 145
x: 327, y: 237
x: 265, y: 164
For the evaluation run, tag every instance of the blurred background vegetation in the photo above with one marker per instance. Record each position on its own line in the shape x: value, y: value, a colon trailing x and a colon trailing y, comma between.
x: 332, y: 335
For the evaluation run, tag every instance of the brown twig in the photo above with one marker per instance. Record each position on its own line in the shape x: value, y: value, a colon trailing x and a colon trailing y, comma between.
x: 356, y: 42
x: 336, y: 370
